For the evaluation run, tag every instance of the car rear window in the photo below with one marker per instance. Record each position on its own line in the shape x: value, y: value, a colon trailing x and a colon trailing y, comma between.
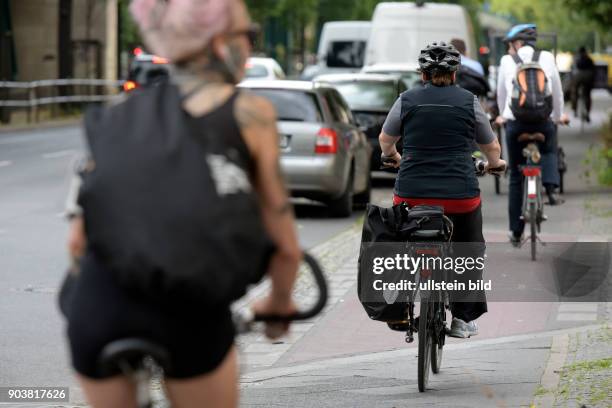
x: 256, y: 71
x: 292, y: 105
x: 346, y: 54
x: 368, y: 95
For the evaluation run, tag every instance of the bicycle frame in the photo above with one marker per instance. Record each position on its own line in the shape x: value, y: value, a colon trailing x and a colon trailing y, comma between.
x: 533, y: 205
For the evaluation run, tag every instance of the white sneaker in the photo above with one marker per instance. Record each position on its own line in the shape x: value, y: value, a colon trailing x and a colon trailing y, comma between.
x: 463, y: 330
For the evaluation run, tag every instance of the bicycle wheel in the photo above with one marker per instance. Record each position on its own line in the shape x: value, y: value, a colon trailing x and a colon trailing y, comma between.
x: 424, y: 344
x: 497, y: 180
x: 439, y: 335
x: 533, y: 222
x: 582, y: 109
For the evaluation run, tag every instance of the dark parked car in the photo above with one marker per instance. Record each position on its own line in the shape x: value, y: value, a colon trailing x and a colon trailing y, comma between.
x: 324, y: 154
x: 370, y: 97
x: 145, y: 69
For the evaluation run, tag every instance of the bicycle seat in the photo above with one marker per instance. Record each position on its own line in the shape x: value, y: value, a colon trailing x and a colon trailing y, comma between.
x: 532, y: 137
x: 130, y: 352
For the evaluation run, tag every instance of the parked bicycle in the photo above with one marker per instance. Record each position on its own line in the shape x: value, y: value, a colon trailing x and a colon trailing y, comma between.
x: 144, y: 362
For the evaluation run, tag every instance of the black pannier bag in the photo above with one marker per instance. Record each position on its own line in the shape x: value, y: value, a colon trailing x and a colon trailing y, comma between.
x: 383, y: 227
x: 169, y: 206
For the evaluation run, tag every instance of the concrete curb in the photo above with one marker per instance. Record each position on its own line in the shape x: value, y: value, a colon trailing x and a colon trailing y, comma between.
x: 267, y: 374
x: 552, y: 373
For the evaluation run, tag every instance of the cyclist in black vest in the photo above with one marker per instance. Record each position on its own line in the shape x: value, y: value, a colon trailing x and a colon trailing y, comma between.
x: 439, y: 123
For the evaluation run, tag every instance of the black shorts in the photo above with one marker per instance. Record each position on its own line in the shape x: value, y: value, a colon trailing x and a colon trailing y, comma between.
x: 196, y: 338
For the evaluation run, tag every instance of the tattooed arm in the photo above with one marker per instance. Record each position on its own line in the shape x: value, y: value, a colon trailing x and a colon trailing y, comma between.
x: 257, y: 120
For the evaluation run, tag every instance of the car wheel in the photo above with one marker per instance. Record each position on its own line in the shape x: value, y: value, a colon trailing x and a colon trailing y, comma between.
x: 362, y: 199
x: 342, y: 206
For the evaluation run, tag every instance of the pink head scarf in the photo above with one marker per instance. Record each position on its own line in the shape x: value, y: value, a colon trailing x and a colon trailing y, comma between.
x: 176, y: 29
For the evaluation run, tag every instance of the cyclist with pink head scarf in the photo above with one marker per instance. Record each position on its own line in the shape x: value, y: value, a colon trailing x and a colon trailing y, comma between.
x: 208, y: 42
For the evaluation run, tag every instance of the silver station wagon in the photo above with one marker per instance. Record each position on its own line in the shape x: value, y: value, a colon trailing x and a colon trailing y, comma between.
x: 324, y: 155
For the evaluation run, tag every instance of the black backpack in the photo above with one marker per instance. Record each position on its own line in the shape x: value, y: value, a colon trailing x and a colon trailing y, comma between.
x: 471, y: 80
x: 531, y: 100
x: 169, y: 207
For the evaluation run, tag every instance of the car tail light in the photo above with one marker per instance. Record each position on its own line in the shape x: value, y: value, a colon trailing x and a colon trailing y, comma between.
x: 129, y: 86
x: 327, y: 141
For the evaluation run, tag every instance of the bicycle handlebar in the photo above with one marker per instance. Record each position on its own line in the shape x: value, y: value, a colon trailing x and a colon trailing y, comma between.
x: 481, y: 165
x: 245, y: 318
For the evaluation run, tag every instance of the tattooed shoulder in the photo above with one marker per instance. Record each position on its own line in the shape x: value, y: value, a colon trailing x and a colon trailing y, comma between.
x: 255, y: 111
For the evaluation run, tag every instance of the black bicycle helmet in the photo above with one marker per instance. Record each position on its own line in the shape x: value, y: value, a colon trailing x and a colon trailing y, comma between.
x: 524, y: 32
x: 439, y: 57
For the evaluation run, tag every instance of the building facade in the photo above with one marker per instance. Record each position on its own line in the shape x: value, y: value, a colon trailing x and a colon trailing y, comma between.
x: 49, y: 39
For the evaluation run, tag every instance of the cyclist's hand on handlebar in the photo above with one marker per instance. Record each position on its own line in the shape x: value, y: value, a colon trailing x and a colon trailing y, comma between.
x: 499, y: 121
x: 274, y: 305
x: 499, y: 168
x: 565, y: 119
x: 391, y: 161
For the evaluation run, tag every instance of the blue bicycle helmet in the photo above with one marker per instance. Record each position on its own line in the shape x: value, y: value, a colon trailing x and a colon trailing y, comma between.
x: 525, y: 32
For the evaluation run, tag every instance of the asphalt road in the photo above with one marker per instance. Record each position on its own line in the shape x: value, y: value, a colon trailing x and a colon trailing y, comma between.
x: 35, y: 170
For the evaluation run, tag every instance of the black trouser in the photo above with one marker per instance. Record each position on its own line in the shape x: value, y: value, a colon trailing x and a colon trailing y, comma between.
x: 468, y: 228
x: 583, y: 80
x: 549, y: 163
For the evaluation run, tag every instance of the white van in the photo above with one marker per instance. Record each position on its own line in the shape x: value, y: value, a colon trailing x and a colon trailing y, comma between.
x: 401, y: 30
x: 342, y: 48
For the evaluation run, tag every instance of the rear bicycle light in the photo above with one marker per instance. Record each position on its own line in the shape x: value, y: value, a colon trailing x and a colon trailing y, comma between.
x: 531, y: 171
x: 326, y: 141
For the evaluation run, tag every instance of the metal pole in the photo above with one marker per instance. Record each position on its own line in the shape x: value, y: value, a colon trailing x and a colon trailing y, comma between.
x: 33, y: 104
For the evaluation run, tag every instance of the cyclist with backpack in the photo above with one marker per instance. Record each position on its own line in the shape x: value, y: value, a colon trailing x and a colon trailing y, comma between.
x: 470, y: 74
x: 181, y: 205
x: 436, y: 167
x: 530, y: 100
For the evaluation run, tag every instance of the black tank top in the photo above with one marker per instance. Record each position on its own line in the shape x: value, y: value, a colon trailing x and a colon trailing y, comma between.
x: 223, y: 120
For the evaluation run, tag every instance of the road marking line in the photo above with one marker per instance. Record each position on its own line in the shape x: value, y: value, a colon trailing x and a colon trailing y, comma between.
x: 5, y: 163
x: 58, y: 154
x: 577, y: 317
x: 578, y: 307
x: 266, y: 374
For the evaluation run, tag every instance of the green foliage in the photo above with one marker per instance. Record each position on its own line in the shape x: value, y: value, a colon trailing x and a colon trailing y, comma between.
x: 598, y: 11
x: 129, y: 36
x: 569, y: 19
x: 299, y: 14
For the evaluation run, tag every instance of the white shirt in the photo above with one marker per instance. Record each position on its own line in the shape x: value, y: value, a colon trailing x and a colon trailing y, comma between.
x: 507, y: 72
